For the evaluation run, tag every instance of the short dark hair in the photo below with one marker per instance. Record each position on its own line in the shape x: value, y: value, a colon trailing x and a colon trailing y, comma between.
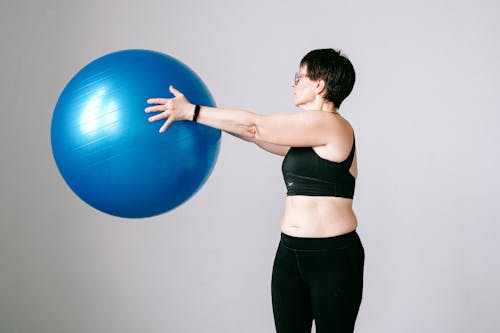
x: 335, y: 69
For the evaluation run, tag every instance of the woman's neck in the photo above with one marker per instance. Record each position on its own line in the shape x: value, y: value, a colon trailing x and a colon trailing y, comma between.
x: 320, y: 104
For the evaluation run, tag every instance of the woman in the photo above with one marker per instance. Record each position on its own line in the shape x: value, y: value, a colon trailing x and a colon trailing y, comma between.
x: 318, y: 269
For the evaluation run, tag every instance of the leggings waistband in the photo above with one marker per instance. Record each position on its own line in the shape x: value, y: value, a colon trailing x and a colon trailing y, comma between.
x: 327, y: 243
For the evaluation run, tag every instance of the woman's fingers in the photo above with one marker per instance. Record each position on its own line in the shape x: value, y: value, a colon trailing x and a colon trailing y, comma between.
x: 157, y: 108
x: 157, y: 100
x: 163, y: 115
x: 166, y: 125
x: 160, y: 116
x: 174, y: 91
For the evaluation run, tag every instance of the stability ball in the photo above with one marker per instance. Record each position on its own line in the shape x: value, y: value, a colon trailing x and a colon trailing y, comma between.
x: 107, y: 151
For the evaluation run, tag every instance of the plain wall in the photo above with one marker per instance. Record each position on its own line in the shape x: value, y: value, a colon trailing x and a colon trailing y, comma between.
x: 425, y: 109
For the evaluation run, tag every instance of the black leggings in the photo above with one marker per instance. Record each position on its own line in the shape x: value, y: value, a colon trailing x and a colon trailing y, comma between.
x: 320, y: 279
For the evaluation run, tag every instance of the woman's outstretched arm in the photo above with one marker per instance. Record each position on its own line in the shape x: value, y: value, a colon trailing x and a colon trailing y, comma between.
x: 300, y: 129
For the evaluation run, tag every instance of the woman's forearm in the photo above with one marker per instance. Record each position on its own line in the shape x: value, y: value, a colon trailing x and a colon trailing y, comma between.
x: 240, y: 123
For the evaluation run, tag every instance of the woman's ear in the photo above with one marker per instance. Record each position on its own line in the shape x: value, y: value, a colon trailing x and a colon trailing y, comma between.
x: 320, y: 87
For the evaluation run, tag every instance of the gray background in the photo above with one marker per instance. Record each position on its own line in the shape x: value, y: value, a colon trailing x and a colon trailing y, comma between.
x: 426, y: 112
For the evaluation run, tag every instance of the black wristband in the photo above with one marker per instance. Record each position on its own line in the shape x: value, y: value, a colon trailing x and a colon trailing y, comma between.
x: 196, y: 112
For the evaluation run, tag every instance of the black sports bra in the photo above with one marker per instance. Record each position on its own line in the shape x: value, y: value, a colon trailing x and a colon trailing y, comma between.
x: 306, y: 173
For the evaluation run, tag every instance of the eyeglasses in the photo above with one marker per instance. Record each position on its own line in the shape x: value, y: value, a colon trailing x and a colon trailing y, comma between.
x: 299, y: 76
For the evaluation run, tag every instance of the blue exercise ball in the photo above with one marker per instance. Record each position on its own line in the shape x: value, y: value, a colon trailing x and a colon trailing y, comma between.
x: 107, y: 151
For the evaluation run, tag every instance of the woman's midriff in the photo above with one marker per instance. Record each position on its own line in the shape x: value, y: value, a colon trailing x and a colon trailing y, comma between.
x: 317, y: 217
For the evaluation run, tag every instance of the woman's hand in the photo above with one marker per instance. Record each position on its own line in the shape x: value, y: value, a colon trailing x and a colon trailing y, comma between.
x: 171, y: 109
